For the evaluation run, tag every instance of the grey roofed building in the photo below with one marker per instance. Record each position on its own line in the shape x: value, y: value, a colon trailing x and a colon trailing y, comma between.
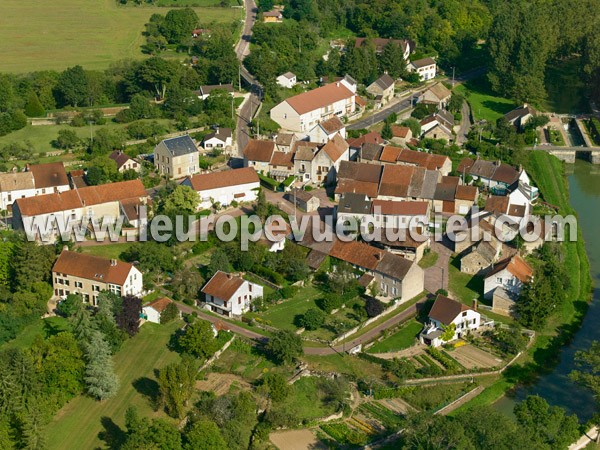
x: 206, y: 90
x: 370, y: 152
x: 394, y: 266
x: 445, y: 192
x: 423, y: 62
x: 384, y: 81
x: 429, y: 184
x: 220, y: 133
x: 351, y: 203
x: 179, y: 146
x: 416, y: 182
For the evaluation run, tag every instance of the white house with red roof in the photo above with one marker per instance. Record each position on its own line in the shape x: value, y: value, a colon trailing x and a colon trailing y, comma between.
x: 87, y: 275
x: 509, y: 275
x: 240, y: 185
x: 152, y: 311
x: 302, y: 112
x: 230, y: 295
x: 445, y: 313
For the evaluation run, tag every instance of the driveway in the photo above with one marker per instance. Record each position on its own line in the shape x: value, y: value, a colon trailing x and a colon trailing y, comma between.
x: 395, y: 106
x: 465, y: 124
x: 436, y: 276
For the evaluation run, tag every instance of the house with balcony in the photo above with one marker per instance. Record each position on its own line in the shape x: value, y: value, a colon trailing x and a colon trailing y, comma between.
x: 230, y: 295
x: 446, y: 313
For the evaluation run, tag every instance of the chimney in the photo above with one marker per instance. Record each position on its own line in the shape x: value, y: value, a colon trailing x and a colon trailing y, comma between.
x: 229, y: 276
x: 27, y: 167
x: 475, y: 304
x: 65, y: 248
x: 378, y: 256
x: 337, y: 84
x: 113, y: 262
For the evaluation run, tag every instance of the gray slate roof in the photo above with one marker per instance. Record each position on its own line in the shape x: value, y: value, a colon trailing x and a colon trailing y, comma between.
x: 179, y: 146
x: 351, y: 203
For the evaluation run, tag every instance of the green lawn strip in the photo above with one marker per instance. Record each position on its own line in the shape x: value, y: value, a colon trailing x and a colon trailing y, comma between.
x: 109, y: 251
x: 388, y: 418
x: 434, y: 397
x: 464, y: 286
x: 40, y: 327
x: 484, y: 103
x: 239, y: 323
x: 78, y: 423
x: 383, y: 319
x: 429, y: 260
x: 548, y: 174
x: 401, y: 339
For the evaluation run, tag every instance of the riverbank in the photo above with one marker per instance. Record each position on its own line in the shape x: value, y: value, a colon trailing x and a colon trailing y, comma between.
x: 548, y: 173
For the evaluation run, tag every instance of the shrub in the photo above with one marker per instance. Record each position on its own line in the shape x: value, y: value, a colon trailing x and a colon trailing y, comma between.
x: 288, y: 291
x: 312, y: 319
x: 329, y: 302
x: 373, y: 307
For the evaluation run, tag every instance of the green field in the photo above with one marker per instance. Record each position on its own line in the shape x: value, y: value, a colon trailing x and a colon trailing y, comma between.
x: 403, y: 338
x: 40, y: 35
x: 78, y: 424
x: 41, y: 327
x: 484, y: 103
x: 109, y: 251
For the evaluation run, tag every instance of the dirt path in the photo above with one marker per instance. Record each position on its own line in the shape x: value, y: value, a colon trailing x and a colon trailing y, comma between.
x: 436, y: 276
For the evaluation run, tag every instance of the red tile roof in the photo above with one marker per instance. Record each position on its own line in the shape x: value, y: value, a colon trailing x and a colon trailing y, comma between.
x: 445, y: 310
x: 160, y: 304
x: 49, y: 175
x: 320, y: 97
x: 335, y: 148
x: 215, y: 180
x: 258, y: 150
x: 516, y: 266
x: 223, y: 285
x: 400, y: 132
x: 397, y: 208
x: 390, y: 154
x: 370, y: 138
x: 92, y: 267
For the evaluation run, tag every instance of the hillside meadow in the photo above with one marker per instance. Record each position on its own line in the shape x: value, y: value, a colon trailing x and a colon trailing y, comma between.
x: 40, y: 35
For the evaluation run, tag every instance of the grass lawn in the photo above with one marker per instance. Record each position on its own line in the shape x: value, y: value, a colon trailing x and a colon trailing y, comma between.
x: 429, y: 260
x: 464, y: 286
x: 484, y: 103
x: 41, y: 136
x: 346, y: 364
x: 109, y: 251
x: 283, y: 315
x: 41, y: 327
x: 78, y: 423
x: 556, y: 137
x: 307, y: 401
x: 92, y: 34
x: 403, y: 338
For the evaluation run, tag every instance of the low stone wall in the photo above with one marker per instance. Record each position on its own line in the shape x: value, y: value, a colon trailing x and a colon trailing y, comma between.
x: 357, y: 328
x: 217, y: 354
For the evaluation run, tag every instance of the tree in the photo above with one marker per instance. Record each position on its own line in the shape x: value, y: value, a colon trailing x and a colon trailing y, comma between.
x: 100, y: 377
x: 66, y: 139
x: 143, y: 433
x: 449, y: 332
x: 205, y: 435
x: 170, y: 313
x: 284, y: 346
x: 312, y: 319
x: 386, y: 131
x: 33, y: 429
x: 156, y: 74
x: 262, y: 207
x: 218, y: 261
x: 178, y: 25
x: 199, y: 340
x: 176, y: 384
x: 546, y: 425
x: 31, y: 263
x: 68, y: 306
x: 102, y: 170
x: 105, y: 320
x: 177, y: 199
x: 33, y: 107
x: 72, y: 86
x: 373, y: 307
x: 587, y: 373
x: 392, y: 60
x: 129, y: 318
x: 456, y: 102
x: 275, y: 386
x: 186, y: 284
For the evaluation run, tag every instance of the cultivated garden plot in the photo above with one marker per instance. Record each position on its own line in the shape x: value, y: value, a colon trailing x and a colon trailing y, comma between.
x: 472, y: 357
x: 296, y: 440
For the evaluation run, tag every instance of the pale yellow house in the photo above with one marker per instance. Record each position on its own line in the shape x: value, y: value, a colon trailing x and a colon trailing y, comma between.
x: 176, y: 157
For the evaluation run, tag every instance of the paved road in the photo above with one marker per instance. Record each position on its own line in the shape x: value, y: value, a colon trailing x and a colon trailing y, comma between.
x: 381, y: 115
x: 250, y: 106
x: 465, y: 124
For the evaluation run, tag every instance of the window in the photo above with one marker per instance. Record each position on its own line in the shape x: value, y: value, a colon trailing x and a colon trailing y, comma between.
x: 239, y: 300
x: 394, y: 291
x: 95, y: 288
x: 464, y: 314
x: 499, y: 280
x: 78, y: 284
x: 250, y: 287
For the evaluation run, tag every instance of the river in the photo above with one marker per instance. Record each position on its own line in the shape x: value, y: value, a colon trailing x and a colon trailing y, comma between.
x: 556, y: 387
